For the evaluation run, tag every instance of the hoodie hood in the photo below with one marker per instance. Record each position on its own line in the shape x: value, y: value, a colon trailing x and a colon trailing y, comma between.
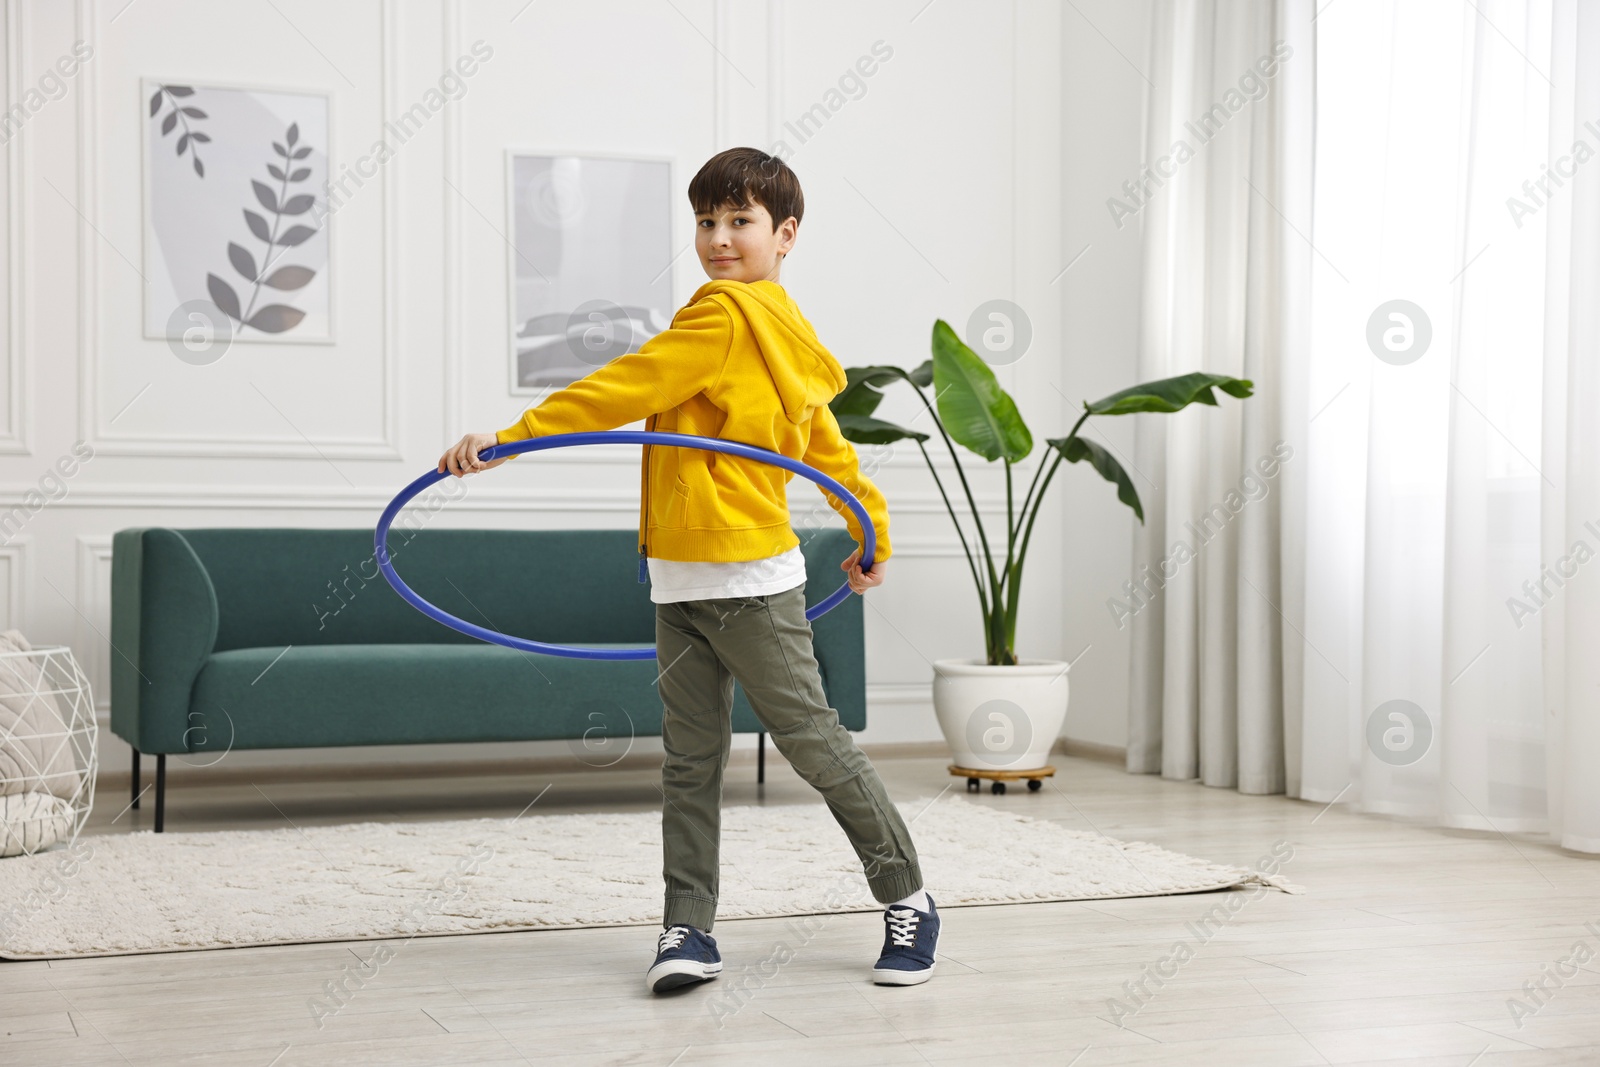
x: 805, y: 373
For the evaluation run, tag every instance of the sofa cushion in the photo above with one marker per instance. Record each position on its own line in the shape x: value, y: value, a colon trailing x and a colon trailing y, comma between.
x: 319, y: 695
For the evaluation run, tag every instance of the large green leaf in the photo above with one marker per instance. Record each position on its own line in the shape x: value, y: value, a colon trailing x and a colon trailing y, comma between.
x: 862, y: 392
x: 866, y: 430
x: 1171, y: 394
x: 1076, y: 449
x: 974, y: 409
x: 856, y: 398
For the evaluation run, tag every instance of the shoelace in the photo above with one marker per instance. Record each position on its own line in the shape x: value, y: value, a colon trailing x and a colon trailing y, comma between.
x: 672, y: 938
x: 903, y: 926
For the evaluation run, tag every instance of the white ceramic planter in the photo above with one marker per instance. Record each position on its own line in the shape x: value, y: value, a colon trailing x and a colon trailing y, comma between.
x: 1000, y: 718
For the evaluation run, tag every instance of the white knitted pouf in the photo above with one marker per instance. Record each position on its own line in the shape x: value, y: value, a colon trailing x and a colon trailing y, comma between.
x: 32, y: 822
x: 48, y: 740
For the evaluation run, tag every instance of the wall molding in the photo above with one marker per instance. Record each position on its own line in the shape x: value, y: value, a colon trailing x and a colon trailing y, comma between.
x: 453, y: 297
x: 17, y: 555
x: 89, y: 314
x: 1116, y: 755
x: 719, y: 75
x: 93, y: 560
x: 394, y: 362
x: 359, y: 764
x: 775, y: 70
x: 905, y: 547
x: 901, y: 694
x: 15, y: 441
x: 370, y: 501
x: 375, y: 498
x: 906, y: 458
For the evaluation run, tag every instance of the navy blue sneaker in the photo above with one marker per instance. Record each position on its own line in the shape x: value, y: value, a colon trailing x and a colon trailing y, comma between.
x: 909, y: 943
x: 684, y: 954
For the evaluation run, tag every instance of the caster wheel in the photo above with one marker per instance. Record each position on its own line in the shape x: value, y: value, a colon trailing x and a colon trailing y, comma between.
x: 998, y: 787
x: 972, y: 785
x: 1034, y: 785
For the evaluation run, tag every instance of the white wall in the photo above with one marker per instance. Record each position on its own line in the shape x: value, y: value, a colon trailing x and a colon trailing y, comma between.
x: 1106, y: 76
x: 975, y: 166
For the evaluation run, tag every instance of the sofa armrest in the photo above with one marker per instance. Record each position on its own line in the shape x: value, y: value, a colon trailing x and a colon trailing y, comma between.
x: 163, y: 630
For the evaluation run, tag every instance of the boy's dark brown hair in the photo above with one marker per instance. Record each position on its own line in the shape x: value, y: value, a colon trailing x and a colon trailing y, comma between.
x: 742, y: 176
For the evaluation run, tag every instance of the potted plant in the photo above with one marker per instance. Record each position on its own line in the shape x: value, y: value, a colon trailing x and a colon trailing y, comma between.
x: 1002, y: 712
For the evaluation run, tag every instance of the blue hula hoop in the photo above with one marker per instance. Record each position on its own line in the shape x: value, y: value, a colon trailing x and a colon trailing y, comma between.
x: 625, y: 437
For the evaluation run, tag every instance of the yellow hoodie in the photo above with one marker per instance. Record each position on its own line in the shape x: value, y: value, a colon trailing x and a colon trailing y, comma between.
x: 740, y: 363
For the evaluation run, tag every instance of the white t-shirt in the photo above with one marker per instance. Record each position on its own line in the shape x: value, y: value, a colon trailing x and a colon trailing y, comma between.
x: 673, y: 580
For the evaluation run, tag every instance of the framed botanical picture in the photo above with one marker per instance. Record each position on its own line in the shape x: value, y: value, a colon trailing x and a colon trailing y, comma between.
x: 590, y: 262
x: 236, y: 212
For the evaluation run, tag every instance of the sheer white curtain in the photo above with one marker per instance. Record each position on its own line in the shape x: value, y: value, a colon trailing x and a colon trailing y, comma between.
x: 1422, y: 693
x: 1226, y: 279
x: 1431, y: 583
x: 1570, y: 442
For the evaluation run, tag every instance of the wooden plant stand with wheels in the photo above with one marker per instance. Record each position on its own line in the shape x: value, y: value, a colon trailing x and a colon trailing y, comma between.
x: 999, y: 778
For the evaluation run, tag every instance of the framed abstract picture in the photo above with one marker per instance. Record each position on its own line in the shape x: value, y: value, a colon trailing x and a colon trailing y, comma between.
x: 590, y: 261
x: 236, y: 212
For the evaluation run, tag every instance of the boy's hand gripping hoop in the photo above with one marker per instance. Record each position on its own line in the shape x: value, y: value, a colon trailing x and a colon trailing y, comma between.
x: 625, y: 437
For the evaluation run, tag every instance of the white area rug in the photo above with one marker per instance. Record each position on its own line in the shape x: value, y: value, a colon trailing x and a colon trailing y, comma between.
x: 120, y: 894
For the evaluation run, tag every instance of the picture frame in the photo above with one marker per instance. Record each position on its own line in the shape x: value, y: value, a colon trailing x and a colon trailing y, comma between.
x: 234, y: 243
x: 590, y: 259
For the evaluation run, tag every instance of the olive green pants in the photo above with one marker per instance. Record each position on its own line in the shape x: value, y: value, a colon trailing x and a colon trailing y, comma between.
x: 764, y: 642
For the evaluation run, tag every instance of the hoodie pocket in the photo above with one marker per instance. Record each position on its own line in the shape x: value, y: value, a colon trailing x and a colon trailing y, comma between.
x: 675, y: 510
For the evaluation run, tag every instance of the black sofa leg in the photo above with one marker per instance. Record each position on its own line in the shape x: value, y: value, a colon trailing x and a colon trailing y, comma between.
x: 161, y: 791
x: 761, y: 756
x: 135, y: 804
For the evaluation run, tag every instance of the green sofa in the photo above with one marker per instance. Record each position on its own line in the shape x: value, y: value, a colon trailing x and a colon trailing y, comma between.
x: 258, y: 638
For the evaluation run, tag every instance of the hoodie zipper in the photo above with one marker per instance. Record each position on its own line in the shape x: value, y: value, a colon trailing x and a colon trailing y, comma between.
x: 644, y: 507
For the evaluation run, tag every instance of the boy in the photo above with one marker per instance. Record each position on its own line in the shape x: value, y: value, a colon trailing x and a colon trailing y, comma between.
x: 726, y: 574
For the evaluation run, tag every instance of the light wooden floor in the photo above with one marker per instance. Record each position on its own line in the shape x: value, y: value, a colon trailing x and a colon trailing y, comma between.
x: 1406, y: 947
